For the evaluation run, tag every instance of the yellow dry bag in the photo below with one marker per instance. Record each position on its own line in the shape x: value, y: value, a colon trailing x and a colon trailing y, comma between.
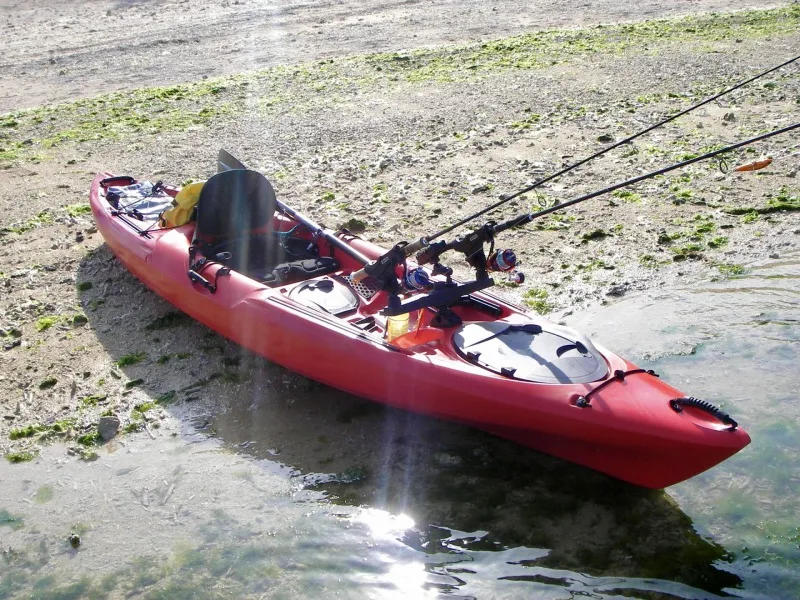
x: 182, y: 206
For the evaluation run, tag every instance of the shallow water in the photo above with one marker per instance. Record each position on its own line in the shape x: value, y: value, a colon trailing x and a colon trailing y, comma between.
x: 735, y: 343
x: 302, y: 491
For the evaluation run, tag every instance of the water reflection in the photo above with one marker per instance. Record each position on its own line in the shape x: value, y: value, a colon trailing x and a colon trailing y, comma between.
x: 491, y: 517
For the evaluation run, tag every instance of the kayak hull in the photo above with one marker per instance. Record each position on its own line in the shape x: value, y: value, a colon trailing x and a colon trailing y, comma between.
x: 627, y: 430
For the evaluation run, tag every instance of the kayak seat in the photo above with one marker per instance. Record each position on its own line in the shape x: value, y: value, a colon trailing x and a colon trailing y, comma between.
x: 234, y: 227
x: 234, y: 204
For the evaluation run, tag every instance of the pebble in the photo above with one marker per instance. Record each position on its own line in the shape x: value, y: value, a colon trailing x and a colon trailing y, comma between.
x: 108, y: 426
x: 617, y: 290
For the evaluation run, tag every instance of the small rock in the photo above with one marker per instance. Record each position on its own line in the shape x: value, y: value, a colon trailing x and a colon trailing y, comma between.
x: 74, y: 540
x: 774, y: 255
x: 729, y: 117
x: 606, y: 138
x: 12, y: 344
x: 617, y: 290
x: 108, y: 427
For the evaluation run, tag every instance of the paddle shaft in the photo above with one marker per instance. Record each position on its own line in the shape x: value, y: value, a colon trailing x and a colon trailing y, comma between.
x: 318, y: 230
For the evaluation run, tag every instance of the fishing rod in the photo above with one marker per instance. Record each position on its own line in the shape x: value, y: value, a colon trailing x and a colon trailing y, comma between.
x: 443, y: 294
x: 525, y: 219
x: 472, y: 244
x: 423, y: 241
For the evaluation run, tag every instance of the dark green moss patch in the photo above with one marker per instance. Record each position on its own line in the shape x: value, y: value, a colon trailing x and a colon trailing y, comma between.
x: 25, y: 432
x: 731, y: 269
x: 687, y: 251
x: 131, y: 359
x: 94, y: 399
x: 787, y: 199
x: 48, y: 383
x: 169, y: 320
x: 596, y: 234
x: 79, y: 320
x: 143, y: 407
x: 354, y: 225
x: 133, y: 427
x: 90, y: 438
x: 166, y: 397
x: 19, y: 457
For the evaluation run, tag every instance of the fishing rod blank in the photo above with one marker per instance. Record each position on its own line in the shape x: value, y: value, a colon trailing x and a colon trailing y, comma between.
x: 525, y: 219
x: 504, y: 199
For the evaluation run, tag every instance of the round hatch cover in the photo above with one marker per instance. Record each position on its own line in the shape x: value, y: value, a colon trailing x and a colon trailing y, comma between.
x: 532, y: 352
x: 326, y: 294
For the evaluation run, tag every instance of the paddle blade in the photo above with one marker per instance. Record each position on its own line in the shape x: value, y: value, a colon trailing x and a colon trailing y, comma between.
x: 754, y: 166
x: 227, y: 162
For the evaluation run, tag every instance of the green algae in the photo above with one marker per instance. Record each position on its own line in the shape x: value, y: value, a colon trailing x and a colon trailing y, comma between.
x: 41, y: 219
x: 131, y: 359
x: 148, y: 111
x: 21, y: 456
x: 9, y: 520
x: 536, y: 299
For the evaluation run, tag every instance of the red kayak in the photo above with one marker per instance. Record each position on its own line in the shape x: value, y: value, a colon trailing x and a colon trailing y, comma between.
x: 273, y: 281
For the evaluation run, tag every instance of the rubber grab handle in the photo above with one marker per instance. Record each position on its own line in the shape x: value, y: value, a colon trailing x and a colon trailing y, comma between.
x: 120, y: 180
x: 678, y: 403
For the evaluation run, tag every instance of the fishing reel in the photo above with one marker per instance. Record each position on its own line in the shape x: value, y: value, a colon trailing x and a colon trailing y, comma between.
x: 505, y: 261
x: 471, y: 245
